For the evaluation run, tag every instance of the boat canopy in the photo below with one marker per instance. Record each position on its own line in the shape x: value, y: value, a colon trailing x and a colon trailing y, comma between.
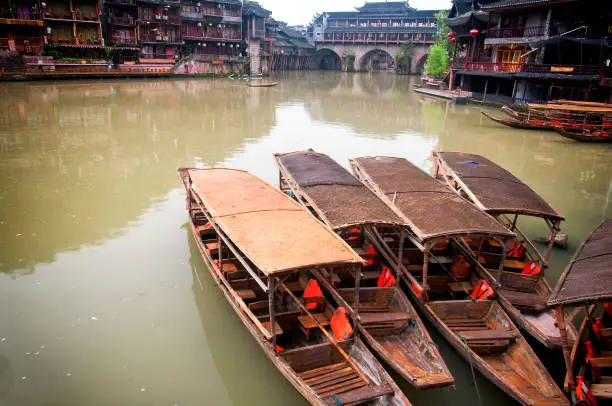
x: 340, y: 199
x: 495, y: 189
x: 431, y: 209
x: 588, y: 276
x: 271, y: 229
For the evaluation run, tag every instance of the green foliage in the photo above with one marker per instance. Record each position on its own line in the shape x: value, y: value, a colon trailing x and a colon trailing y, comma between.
x: 437, y: 61
x: 442, y: 36
x: 108, y: 53
x: 404, y: 57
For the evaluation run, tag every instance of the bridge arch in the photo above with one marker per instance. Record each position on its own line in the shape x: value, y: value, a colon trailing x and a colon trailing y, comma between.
x: 419, y: 64
x: 327, y: 59
x: 377, y: 59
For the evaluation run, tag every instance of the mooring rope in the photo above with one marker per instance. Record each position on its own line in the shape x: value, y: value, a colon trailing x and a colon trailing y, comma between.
x: 472, y: 368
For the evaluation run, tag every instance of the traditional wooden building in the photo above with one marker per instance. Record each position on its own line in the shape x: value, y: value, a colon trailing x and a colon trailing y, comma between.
x: 288, y: 49
x: 255, y: 18
x: 537, y: 50
x: 212, y: 27
x: 73, y: 28
x: 159, y: 30
x: 392, y: 22
x: 21, y: 26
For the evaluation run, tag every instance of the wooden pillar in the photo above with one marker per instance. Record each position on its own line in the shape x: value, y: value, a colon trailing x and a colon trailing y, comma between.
x: 551, y: 243
x: 271, y: 297
x: 400, y: 257
x: 426, y: 267
x: 358, y: 270
x: 514, y: 90
x: 566, y: 349
x: 220, y: 248
x: 484, y: 96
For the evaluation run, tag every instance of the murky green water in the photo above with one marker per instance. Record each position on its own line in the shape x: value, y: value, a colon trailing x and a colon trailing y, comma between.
x: 104, y: 299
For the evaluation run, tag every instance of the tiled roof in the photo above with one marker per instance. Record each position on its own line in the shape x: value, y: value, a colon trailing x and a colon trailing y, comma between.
x: 408, y: 14
x: 513, y: 3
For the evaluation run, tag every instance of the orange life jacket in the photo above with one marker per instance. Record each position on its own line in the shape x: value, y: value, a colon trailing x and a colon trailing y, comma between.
x: 583, y: 392
x: 517, y: 250
x: 590, y: 354
x: 278, y: 348
x: 441, y: 246
x: 355, y: 234
x: 371, y: 256
x: 608, y: 308
x: 418, y: 291
x: 386, y: 279
x: 312, y: 290
x: 461, y: 268
x: 531, y: 269
x: 482, y: 291
x: 340, y: 324
x: 597, y: 327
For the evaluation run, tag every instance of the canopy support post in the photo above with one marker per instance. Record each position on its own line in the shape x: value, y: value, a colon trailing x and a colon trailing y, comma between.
x: 551, y: 243
x: 400, y: 257
x: 356, y: 301
x: 514, y: 222
x: 566, y: 350
x: 220, y: 248
x: 426, y: 266
x: 271, y: 294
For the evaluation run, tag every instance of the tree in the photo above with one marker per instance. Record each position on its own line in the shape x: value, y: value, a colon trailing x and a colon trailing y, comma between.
x: 437, y: 61
x: 404, y: 57
x: 439, y: 55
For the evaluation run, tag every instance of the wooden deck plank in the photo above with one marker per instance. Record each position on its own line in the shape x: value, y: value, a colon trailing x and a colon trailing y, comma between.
x: 603, y: 391
x: 322, y: 370
x: 309, y: 322
x: 334, y: 375
x: 384, y: 317
x: 341, y: 379
x: 342, y: 387
x: 277, y: 328
x: 489, y: 335
x: 602, y: 362
x: 246, y: 294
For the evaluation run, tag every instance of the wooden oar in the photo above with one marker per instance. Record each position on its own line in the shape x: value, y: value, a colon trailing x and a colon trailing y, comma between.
x: 329, y: 336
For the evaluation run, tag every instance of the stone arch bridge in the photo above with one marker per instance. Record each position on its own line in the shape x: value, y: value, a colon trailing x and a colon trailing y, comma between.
x: 364, y: 54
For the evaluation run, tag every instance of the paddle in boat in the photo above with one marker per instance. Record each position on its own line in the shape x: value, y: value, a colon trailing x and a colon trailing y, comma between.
x: 387, y: 320
x: 524, y: 289
x: 586, y: 287
x: 456, y: 294
x: 262, y: 249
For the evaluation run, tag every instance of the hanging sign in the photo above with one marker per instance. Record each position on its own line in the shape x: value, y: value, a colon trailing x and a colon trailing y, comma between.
x: 562, y: 69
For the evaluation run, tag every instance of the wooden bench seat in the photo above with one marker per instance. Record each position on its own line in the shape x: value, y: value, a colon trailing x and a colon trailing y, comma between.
x: 362, y: 395
x: 515, y: 264
x: 368, y: 318
x: 307, y: 323
x: 485, y: 335
x: 465, y: 324
x: 601, y: 362
x: 246, y: 294
x: 277, y: 328
x: 261, y: 305
x: 370, y: 275
x: 602, y: 391
x: 487, y: 341
x: 525, y: 300
x: 333, y: 379
x: 459, y: 287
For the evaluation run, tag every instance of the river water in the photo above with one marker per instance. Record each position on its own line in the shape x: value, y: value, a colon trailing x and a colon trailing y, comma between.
x: 104, y: 299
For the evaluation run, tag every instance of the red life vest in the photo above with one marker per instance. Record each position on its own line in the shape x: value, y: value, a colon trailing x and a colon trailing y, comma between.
x: 355, y: 234
x: 441, y: 246
x: 583, y: 392
x: 340, y: 324
x: 418, y: 291
x: 517, y: 250
x: 597, y: 327
x: 386, y: 279
x: 371, y: 256
x: 608, y: 308
x: 531, y: 269
x: 461, y: 268
x: 590, y: 354
x: 482, y: 291
x: 312, y: 290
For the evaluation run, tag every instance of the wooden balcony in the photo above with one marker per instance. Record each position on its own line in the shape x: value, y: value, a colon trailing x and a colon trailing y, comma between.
x: 22, y: 44
x: 388, y: 38
x: 498, y: 67
x: 20, y: 18
x: 519, y: 32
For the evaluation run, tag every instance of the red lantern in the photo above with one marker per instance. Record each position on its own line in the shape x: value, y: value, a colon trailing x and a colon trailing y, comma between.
x: 453, y: 40
x: 450, y: 35
x: 474, y: 32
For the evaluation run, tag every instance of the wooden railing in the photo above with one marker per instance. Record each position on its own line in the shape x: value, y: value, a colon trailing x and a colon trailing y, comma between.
x: 518, y: 32
x: 20, y: 15
x: 588, y: 70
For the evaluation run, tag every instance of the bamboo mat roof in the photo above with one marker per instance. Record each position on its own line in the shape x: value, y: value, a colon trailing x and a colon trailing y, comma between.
x: 496, y: 190
x: 573, y: 108
x: 431, y: 209
x: 340, y: 199
x: 270, y: 228
x: 588, y: 276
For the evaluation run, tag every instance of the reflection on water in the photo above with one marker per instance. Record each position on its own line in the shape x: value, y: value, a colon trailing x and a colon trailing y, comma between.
x: 104, y: 298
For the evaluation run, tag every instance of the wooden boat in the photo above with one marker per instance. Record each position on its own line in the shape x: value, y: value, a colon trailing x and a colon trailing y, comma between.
x: 585, y: 137
x: 515, y: 123
x: 387, y: 320
x: 260, y: 251
x: 586, y: 284
x: 582, y: 103
x: 440, y: 224
x: 262, y: 84
x: 496, y: 191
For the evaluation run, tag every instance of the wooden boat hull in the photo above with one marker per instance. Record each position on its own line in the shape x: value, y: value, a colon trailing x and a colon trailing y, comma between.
x: 514, y: 123
x: 262, y: 84
x: 411, y: 351
x: 583, y: 138
x: 354, y: 347
x: 516, y: 371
